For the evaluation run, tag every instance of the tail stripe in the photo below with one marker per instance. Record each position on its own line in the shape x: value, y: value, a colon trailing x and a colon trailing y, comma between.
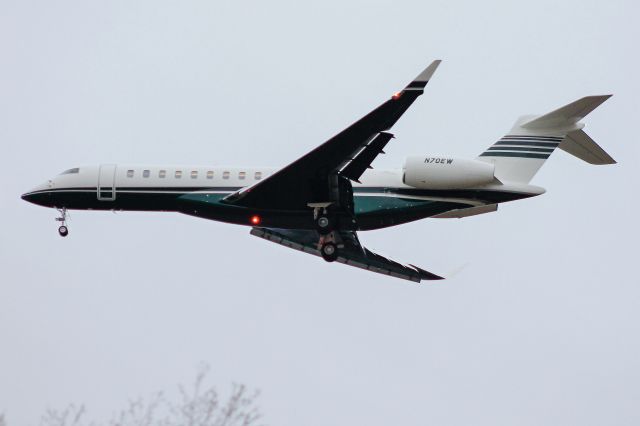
x: 514, y: 154
x: 516, y: 148
x: 523, y: 146
x: 551, y: 138
x: 517, y: 143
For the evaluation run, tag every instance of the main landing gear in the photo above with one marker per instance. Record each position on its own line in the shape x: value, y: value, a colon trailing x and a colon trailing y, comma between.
x: 323, y: 224
x: 63, y: 230
x: 329, y: 251
x: 328, y: 243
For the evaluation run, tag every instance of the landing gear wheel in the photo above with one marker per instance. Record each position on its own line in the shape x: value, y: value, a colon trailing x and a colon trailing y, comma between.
x: 329, y: 252
x: 323, y: 225
x: 63, y: 231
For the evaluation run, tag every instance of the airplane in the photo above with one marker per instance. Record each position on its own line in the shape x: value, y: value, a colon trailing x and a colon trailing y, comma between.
x: 318, y: 203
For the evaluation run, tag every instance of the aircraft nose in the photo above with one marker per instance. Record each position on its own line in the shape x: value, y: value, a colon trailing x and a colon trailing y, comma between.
x: 39, y: 198
x: 38, y: 195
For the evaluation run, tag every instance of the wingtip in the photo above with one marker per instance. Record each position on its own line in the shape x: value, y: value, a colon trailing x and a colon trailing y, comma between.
x: 596, y: 100
x: 428, y: 71
x: 426, y: 275
x: 601, y: 98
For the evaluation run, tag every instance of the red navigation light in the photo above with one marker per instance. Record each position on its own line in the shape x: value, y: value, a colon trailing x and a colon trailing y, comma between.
x: 255, y: 219
x: 396, y: 95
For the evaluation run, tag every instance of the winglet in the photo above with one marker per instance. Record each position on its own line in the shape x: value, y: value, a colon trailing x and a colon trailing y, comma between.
x: 426, y: 275
x: 423, y: 78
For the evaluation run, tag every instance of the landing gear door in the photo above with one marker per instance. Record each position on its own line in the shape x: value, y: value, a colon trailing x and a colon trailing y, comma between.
x: 106, y: 182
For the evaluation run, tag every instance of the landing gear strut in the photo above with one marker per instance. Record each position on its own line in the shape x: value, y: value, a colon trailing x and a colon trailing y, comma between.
x: 63, y: 230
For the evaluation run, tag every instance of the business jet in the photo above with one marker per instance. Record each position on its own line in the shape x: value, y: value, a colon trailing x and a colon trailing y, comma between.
x: 318, y: 203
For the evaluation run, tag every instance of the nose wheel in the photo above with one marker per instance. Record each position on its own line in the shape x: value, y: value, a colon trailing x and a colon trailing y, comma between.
x: 63, y: 230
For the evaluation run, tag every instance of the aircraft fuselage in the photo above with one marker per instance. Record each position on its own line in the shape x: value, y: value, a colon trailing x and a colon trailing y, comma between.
x: 380, y: 200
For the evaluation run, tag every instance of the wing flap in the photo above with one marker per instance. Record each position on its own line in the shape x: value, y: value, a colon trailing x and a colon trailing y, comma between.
x: 363, y: 160
x: 352, y: 254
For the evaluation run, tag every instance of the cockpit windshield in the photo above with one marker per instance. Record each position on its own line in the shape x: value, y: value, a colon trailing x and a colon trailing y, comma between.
x: 71, y: 171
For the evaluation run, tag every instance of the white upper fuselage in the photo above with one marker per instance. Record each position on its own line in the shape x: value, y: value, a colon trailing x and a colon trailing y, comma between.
x: 149, y: 176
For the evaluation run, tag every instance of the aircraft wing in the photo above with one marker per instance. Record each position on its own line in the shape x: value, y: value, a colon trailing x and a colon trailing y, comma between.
x: 306, y: 180
x: 352, y: 254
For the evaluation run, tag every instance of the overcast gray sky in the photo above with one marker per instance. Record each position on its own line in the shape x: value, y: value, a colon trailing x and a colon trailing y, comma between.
x: 540, y: 327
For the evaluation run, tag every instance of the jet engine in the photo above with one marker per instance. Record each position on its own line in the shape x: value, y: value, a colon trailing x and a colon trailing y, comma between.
x: 435, y: 172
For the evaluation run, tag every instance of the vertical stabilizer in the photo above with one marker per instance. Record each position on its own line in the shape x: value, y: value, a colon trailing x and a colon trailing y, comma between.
x: 519, y: 155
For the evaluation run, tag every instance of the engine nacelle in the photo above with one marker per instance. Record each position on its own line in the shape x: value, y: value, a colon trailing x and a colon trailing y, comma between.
x: 446, y: 172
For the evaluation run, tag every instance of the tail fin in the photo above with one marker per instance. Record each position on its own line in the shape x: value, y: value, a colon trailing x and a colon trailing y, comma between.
x: 519, y: 155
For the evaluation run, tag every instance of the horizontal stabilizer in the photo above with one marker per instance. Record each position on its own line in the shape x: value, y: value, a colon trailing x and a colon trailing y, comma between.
x: 580, y: 144
x: 567, y: 115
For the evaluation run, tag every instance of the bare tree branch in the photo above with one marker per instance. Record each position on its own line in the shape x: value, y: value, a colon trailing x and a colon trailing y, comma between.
x: 199, y: 406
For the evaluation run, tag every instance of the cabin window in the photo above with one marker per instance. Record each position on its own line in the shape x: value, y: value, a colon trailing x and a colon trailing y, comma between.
x: 258, y: 175
x: 129, y: 173
x: 210, y: 174
x: 71, y: 171
x: 242, y: 175
x: 194, y: 174
x: 145, y: 173
x: 178, y: 174
x: 162, y: 174
x: 226, y: 175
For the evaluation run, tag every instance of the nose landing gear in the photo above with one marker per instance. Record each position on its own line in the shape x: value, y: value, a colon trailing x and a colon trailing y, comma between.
x: 63, y: 230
